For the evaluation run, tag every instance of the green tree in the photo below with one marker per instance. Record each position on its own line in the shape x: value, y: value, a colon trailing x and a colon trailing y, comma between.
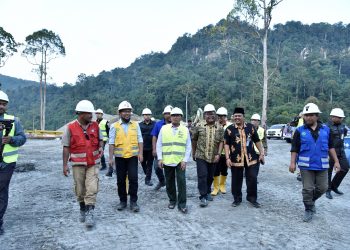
x: 8, y: 46
x: 41, y: 47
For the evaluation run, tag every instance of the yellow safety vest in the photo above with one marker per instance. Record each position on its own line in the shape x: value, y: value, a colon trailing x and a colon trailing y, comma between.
x: 261, y: 134
x: 174, y: 146
x: 102, y: 126
x: 10, y: 153
x: 300, y: 122
x: 126, y: 145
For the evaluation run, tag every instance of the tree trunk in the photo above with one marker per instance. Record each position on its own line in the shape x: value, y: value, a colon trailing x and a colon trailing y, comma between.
x: 266, y: 79
x: 44, y: 102
x: 41, y: 90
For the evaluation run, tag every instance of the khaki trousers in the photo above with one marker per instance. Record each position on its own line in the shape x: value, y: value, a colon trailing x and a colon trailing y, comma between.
x: 86, y: 183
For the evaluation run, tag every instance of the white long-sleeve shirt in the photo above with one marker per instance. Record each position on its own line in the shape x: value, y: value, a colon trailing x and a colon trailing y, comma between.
x: 160, y: 146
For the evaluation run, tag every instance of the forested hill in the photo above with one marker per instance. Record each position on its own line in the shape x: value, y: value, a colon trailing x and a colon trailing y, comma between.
x: 307, y: 62
x: 8, y: 82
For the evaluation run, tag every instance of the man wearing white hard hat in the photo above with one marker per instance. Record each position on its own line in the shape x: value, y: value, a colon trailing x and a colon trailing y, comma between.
x: 207, y: 145
x: 126, y: 146
x: 83, y: 145
x: 12, y: 137
x: 220, y: 172
x: 311, y: 145
x: 146, y: 127
x: 338, y: 132
x: 155, y: 132
x: 255, y: 120
x: 174, y: 151
x: 104, y: 127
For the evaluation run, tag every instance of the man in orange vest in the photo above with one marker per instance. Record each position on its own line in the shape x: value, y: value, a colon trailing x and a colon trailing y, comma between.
x: 126, y: 145
x: 83, y: 146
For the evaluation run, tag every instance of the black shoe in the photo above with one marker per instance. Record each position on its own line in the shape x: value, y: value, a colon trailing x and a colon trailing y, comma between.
x: 134, y: 207
x: 299, y: 177
x: 121, y: 206
x: 159, y: 186
x: 307, y: 215
x: 209, y: 197
x: 236, y: 203
x: 203, y: 202
x: 89, y: 219
x: 337, y: 191
x: 313, y: 209
x: 171, y: 205
x: 103, y: 168
x: 183, y: 210
x: 255, y: 204
x: 329, y: 195
x: 109, y: 174
x: 149, y: 183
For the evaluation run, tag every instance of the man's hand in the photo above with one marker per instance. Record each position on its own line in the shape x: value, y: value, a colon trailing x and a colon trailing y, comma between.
x: 292, y: 168
x: 262, y: 159
x: 65, y: 170
x: 228, y: 163
x: 216, y: 158
x: 154, y: 153
x: 100, y: 150
x: 140, y: 158
x: 183, y: 165
x: 265, y: 153
x: 110, y: 162
x: 6, y: 139
x: 160, y: 164
x: 337, y: 167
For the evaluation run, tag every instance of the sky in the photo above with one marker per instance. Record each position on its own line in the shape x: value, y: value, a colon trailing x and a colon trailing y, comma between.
x: 106, y: 34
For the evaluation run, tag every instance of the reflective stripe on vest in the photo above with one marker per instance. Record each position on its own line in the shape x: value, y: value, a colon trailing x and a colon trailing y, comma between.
x: 10, y: 153
x: 102, y: 126
x: 173, y: 146
x: 261, y: 134
x: 126, y: 145
x: 313, y: 155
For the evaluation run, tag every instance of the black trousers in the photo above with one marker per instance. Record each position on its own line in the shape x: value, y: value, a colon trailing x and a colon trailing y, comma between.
x: 338, y: 177
x: 205, y: 174
x: 221, y: 167
x: 251, y: 182
x: 159, y: 172
x: 147, y: 164
x: 103, y: 159
x: 127, y: 167
x: 5, y: 178
x: 175, y: 175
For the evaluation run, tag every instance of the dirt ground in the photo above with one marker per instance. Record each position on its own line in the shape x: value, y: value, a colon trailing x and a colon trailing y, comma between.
x: 43, y: 213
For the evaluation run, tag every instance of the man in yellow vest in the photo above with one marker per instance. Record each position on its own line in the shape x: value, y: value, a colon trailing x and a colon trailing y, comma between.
x: 126, y: 145
x: 255, y: 120
x: 104, y: 128
x: 173, y: 152
x: 12, y: 137
x: 220, y: 172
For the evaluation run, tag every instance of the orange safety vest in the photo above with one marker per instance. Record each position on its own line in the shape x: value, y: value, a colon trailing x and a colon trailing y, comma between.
x: 84, y: 147
x: 126, y: 145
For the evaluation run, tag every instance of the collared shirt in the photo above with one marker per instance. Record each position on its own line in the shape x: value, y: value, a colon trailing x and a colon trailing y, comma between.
x: 296, y: 142
x: 157, y: 127
x: 146, y: 130
x: 188, y: 146
x: 207, y: 138
x: 17, y: 140
x: 241, y: 143
x: 125, y: 126
x: 66, y: 135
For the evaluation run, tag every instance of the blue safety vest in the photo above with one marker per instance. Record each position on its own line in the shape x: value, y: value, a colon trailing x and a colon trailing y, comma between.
x: 313, y: 154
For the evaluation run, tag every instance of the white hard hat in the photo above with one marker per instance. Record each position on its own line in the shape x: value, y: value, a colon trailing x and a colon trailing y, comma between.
x: 167, y: 109
x: 124, y: 105
x: 311, y: 108
x: 221, y: 111
x: 176, y: 111
x: 100, y: 111
x: 3, y: 96
x: 85, y: 106
x: 209, y: 108
x: 337, y: 112
x: 255, y: 117
x: 146, y: 111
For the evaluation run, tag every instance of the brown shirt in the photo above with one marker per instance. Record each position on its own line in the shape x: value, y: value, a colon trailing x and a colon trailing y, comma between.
x: 207, y: 138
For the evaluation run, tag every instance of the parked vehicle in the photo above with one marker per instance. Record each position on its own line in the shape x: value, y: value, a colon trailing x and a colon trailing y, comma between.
x: 275, y: 131
x: 288, y: 133
x: 347, y: 147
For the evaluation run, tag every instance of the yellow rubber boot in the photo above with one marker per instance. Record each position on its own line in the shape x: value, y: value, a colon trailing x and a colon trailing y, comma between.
x: 216, y: 186
x: 223, y: 184
x: 127, y: 184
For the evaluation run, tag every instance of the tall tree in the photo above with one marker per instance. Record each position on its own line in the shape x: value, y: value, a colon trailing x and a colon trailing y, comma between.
x: 8, y: 46
x: 258, y: 13
x: 41, y: 47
